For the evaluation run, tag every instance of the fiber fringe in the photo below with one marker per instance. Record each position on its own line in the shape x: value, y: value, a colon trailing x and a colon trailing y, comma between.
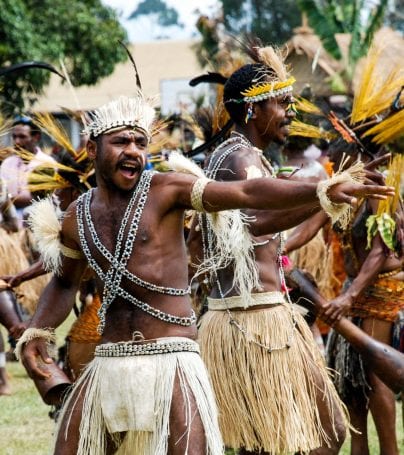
x: 13, y: 260
x: 233, y: 243
x: 268, y: 401
x: 193, y: 381
x: 317, y: 258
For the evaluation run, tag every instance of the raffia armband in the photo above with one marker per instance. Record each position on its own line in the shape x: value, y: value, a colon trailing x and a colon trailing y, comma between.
x: 31, y: 334
x: 70, y: 252
x: 197, y: 193
x: 339, y: 212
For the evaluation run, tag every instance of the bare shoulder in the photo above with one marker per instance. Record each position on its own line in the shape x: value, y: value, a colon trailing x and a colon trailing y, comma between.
x: 175, y: 186
x: 172, y: 179
x: 236, y: 165
x: 69, y: 233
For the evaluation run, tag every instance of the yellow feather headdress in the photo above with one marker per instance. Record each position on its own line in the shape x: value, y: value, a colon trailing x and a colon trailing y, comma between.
x: 275, y: 79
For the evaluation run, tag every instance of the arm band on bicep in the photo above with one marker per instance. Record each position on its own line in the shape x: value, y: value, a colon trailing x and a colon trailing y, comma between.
x: 70, y: 252
x: 197, y: 193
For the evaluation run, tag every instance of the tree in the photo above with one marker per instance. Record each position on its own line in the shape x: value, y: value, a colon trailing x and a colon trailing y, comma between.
x: 395, y: 15
x: 84, y: 33
x: 157, y: 11
x: 271, y: 20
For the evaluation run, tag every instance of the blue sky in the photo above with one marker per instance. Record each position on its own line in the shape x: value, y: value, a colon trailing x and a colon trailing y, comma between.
x: 144, y: 30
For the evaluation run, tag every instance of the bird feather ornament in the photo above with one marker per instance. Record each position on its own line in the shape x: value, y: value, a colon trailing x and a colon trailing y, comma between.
x: 233, y: 243
x: 45, y: 223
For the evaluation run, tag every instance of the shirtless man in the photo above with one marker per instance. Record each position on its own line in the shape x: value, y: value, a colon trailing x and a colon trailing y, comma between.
x: 146, y: 384
x: 256, y: 348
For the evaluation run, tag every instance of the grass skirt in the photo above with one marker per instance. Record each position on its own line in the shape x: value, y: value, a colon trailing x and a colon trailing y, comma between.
x: 267, y: 401
x: 13, y: 260
x: 133, y: 395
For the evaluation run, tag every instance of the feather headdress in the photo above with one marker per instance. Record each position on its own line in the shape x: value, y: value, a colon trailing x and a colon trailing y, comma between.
x: 136, y: 112
x: 275, y: 79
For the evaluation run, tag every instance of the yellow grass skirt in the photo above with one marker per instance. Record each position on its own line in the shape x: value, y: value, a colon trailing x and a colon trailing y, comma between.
x: 267, y: 401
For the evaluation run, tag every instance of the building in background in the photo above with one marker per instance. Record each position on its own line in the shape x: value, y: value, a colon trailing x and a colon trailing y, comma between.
x: 165, y: 68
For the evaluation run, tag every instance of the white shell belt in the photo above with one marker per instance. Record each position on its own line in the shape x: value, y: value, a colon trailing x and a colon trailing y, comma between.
x: 134, y: 348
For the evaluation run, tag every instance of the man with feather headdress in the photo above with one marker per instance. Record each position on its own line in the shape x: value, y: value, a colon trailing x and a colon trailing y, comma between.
x: 147, y: 388
x: 269, y: 378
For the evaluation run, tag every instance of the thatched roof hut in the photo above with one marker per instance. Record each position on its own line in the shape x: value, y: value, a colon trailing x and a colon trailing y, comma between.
x: 311, y: 64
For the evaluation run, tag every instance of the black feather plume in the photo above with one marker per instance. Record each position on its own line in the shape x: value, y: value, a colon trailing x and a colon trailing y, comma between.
x: 210, y: 78
x: 138, y: 83
x: 27, y: 65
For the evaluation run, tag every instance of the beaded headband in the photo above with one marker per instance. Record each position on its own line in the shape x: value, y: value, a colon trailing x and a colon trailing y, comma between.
x: 265, y: 90
x: 136, y: 112
x: 274, y: 69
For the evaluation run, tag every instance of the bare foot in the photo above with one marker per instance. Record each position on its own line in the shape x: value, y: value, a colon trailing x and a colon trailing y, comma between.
x: 5, y: 389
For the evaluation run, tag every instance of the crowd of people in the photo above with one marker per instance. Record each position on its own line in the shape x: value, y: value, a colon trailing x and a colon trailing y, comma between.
x: 189, y: 337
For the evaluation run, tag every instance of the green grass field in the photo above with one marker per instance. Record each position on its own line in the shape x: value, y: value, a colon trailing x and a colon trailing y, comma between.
x: 25, y: 427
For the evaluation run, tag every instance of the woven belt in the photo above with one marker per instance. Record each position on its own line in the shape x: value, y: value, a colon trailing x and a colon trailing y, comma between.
x: 133, y: 348
x: 270, y: 298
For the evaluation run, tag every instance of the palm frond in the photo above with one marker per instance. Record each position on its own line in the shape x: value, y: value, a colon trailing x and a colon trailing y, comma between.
x: 324, y: 24
x: 374, y: 23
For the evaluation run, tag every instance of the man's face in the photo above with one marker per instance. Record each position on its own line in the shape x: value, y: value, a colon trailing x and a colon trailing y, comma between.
x: 23, y: 139
x: 273, y: 118
x: 121, y: 157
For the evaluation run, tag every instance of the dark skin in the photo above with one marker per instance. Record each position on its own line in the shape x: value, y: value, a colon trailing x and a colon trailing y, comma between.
x: 363, y: 267
x: 25, y: 139
x: 269, y: 122
x: 371, y: 261
x: 119, y: 159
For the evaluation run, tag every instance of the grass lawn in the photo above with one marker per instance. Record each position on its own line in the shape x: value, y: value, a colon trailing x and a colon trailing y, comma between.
x: 25, y: 427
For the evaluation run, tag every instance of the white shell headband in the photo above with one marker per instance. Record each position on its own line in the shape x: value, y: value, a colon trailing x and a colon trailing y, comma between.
x: 136, y: 112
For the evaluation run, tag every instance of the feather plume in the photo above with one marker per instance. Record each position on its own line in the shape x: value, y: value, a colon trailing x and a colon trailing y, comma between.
x: 179, y: 163
x: 210, y: 78
x: 306, y: 106
x: 138, y: 83
x: 274, y: 59
x: 49, y: 125
x: 45, y: 223
x: 395, y: 174
x: 251, y: 45
x: 376, y: 88
x: 388, y: 129
x: 27, y: 65
x: 298, y: 128
x: 136, y: 112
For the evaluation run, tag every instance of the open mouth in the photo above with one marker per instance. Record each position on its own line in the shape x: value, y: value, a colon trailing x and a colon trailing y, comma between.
x: 129, y: 169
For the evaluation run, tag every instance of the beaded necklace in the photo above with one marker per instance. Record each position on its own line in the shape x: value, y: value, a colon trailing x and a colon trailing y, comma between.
x: 117, y: 262
x: 215, y: 164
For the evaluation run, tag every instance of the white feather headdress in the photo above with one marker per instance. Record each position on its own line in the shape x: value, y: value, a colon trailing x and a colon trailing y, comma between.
x: 136, y: 112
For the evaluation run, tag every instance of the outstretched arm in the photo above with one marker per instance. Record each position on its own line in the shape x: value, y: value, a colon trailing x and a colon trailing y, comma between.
x: 268, y: 193
x: 33, y: 271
